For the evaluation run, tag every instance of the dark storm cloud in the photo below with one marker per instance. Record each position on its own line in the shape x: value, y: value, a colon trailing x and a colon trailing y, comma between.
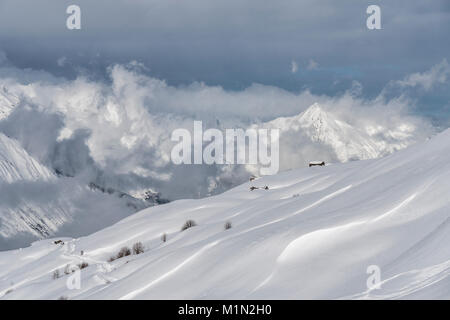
x: 233, y: 43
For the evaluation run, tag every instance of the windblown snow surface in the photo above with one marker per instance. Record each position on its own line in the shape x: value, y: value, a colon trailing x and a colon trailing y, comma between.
x: 312, y: 235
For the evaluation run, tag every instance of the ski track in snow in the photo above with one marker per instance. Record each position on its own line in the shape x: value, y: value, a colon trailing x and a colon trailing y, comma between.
x: 135, y: 293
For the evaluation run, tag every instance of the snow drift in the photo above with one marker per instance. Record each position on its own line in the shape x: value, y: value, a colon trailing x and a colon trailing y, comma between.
x: 312, y: 234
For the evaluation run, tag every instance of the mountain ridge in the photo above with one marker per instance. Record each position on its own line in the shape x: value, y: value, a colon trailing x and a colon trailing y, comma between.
x: 27, y: 213
x: 348, y: 142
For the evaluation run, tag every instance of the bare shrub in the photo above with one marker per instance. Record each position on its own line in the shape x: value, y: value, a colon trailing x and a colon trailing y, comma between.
x: 63, y: 298
x: 67, y: 269
x: 125, y: 251
x: 138, y: 248
x: 56, y: 274
x: 112, y: 258
x: 83, y: 265
x: 227, y: 225
x: 188, y: 224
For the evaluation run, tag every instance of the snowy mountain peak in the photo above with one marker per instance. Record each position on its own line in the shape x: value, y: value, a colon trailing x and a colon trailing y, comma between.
x: 349, y: 141
x: 321, y: 125
x: 314, y: 113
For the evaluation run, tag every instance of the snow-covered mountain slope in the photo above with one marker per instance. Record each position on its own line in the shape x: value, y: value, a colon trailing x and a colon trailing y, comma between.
x: 16, y: 164
x: 349, y: 142
x: 7, y: 102
x: 35, y: 203
x: 313, y: 234
x: 19, y: 172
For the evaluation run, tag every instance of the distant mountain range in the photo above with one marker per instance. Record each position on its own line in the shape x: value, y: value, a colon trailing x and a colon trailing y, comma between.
x: 36, y: 203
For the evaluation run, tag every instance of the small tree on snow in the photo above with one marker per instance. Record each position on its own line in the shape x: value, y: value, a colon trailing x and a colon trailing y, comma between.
x: 188, y: 224
x: 138, y: 248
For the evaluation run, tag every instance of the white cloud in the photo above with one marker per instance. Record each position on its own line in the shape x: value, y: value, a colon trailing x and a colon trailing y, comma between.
x: 438, y: 74
x: 61, y: 62
x: 294, y: 66
x: 312, y: 65
x: 105, y: 131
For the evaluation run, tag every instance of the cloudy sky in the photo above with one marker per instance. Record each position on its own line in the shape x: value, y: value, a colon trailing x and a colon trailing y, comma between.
x: 291, y: 44
x: 102, y: 101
